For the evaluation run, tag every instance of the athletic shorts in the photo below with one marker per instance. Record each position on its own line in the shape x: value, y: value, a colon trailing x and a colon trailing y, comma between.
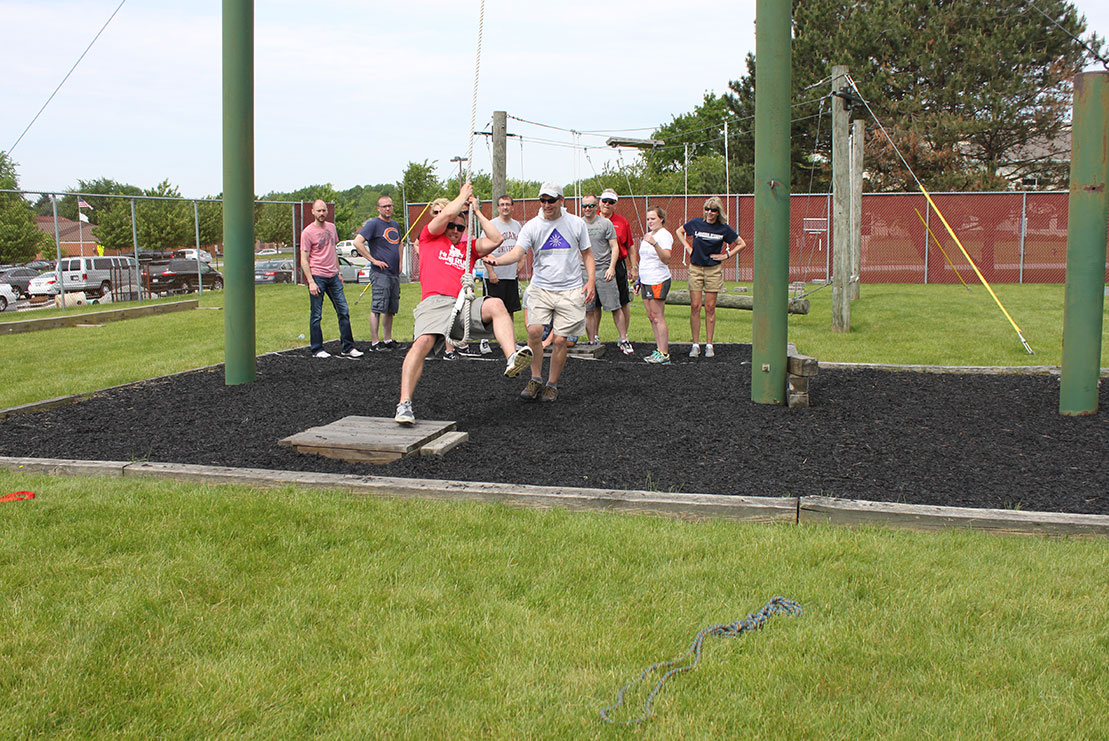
x: 386, y: 293
x: 658, y: 291
x: 622, y: 282
x: 708, y: 278
x: 432, y: 314
x: 507, y: 290
x: 565, y: 310
x: 608, y: 294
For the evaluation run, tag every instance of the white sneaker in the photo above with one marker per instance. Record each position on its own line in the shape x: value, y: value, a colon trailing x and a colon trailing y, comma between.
x: 709, y: 352
x: 405, y: 415
x: 322, y: 354
x: 625, y: 346
x: 354, y: 352
x: 695, y: 351
x: 485, y: 349
x: 517, y: 361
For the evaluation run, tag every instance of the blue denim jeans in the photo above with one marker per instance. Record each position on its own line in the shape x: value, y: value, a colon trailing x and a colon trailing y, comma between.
x: 333, y: 287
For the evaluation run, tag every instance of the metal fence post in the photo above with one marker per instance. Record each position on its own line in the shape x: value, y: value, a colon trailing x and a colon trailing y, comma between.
x: 196, y: 227
x: 1023, y: 231
x: 58, y: 243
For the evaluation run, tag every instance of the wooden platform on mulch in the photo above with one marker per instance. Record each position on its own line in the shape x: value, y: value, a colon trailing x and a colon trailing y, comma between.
x: 367, y: 439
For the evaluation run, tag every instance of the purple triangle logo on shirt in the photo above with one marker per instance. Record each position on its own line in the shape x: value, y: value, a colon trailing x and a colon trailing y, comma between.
x: 555, y: 242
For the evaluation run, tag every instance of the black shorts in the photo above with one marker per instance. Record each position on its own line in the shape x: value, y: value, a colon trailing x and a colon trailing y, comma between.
x: 622, y: 282
x: 507, y: 290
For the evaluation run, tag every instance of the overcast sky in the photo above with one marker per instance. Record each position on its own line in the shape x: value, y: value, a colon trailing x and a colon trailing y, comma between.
x: 348, y: 92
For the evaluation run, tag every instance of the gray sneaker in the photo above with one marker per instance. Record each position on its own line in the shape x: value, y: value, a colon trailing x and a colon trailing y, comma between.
x: 531, y: 391
x: 709, y: 352
x: 695, y: 351
x: 517, y: 361
x: 405, y: 415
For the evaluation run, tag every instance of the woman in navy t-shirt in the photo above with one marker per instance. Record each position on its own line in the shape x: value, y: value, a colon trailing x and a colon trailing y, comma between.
x: 713, y: 242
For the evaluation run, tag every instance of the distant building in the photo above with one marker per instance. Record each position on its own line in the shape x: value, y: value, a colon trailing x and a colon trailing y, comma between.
x: 75, y: 236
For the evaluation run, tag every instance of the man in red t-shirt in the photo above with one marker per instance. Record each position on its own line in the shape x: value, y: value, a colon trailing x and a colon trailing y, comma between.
x: 442, y: 265
x: 622, y: 317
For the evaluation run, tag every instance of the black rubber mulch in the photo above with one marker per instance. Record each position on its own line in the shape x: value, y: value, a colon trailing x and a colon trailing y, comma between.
x: 964, y: 440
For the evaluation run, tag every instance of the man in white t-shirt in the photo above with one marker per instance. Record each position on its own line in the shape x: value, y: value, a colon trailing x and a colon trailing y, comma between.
x: 559, y: 243
x: 501, y: 281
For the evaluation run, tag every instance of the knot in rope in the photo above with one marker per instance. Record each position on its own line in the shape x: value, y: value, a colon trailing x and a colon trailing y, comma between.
x: 751, y: 622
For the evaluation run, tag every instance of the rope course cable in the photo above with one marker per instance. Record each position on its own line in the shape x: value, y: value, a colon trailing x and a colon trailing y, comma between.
x: 466, y: 294
x: 778, y: 605
x: 1093, y: 52
x: 947, y: 226
x: 67, y: 74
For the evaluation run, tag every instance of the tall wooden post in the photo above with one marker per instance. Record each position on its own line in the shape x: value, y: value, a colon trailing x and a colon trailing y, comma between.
x: 858, y: 131
x: 500, y: 166
x: 841, y: 212
x: 1084, y: 304
x: 770, y: 325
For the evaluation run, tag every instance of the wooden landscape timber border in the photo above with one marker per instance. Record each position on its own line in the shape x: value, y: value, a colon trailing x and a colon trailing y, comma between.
x: 96, y: 317
x: 793, y: 510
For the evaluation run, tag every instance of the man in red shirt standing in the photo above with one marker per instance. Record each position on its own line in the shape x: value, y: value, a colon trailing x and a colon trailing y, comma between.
x: 622, y: 317
x: 320, y: 264
x: 443, y: 245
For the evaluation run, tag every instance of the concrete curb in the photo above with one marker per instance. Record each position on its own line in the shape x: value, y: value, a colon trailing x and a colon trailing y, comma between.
x: 805, y: 509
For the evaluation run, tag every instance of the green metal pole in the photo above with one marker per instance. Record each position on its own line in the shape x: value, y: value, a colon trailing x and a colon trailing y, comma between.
x: 772, y: 94
x: 238, y: 191
x: 1086, y: 236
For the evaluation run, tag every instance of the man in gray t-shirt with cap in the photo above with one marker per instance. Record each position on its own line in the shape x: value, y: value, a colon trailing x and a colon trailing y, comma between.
x: 559, y: 243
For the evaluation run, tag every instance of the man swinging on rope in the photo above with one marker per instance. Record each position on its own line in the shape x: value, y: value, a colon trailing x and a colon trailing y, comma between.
x: 442, y: 265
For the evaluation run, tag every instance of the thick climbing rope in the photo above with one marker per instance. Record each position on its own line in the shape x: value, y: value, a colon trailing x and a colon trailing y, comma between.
x: 751, y: 622
x: 466, y: 295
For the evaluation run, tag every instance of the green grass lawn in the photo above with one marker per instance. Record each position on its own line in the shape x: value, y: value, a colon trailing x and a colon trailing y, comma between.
x: 946, y: 325
x: 139, y: 608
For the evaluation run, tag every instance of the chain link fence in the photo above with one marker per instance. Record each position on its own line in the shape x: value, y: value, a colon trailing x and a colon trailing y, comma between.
x: 1013, y: 237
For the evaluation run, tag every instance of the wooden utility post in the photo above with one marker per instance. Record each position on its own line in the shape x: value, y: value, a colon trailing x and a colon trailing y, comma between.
x: 841, y: 212
x: 858, y: 131
x: 500, y: 134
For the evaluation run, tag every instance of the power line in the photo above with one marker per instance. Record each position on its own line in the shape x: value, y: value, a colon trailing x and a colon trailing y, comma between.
x: 67, y: 74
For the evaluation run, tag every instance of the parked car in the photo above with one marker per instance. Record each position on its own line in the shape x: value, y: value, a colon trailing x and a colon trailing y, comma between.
x: 44, y: 284
x: 346, y: 249
x: 273, y: 271
x: 40, y: 265
x: 205, y: 255
x: 267, y: 251
x: 352, y: 271
x: 18, y: 278
x: 95, y: 274
x: 180, y: 276
x: 7, y: 296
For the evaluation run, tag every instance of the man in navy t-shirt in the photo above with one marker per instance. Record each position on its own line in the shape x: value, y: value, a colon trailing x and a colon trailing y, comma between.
x: 379, y: 242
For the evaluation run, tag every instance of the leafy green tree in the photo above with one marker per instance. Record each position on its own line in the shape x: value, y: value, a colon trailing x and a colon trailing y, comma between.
x: 970, y: 91
x: 20, y: 239
x: 273, y: 222
x: 164, y: 225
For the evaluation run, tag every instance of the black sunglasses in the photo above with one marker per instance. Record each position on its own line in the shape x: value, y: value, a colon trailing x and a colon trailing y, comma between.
x: 544, y: 199
x: 607, y: 200
x: 714, y: 210
x: 589, y: 205
x: 459, y: 227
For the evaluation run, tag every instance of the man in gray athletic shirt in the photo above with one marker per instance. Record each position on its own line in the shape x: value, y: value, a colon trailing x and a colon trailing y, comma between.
x: 602, y: 240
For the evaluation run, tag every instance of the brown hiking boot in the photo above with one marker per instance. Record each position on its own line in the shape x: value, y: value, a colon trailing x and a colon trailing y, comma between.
x: 550, y: 393
x: 531, y: 391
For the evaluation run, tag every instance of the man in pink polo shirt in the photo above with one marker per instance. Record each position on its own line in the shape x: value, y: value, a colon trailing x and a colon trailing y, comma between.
x: 320, y: 263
